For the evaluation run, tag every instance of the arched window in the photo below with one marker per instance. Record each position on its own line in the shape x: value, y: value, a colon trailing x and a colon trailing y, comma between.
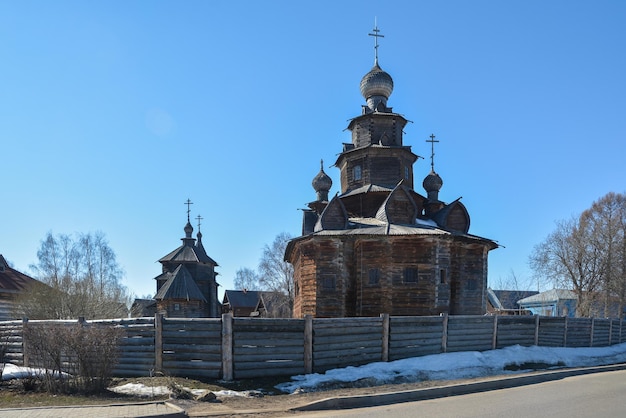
x: 357, y: 172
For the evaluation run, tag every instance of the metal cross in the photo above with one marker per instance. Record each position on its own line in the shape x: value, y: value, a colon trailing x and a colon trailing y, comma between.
x: 432, y: 151
x: 188, y: 203
x: 199, y: 218
x: 376, y: 35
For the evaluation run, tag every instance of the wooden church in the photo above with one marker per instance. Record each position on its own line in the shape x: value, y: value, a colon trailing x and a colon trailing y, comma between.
x: 379, y: 246
x: 187, y: 286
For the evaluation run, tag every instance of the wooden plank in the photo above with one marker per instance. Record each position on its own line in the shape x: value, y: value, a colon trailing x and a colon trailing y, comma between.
x: 274, y: 342
x: 329, y: 332
x: 347, y: 353
x: 158, y: 342
x: 385, y: 338
x: 227, y: 347
x: 417, y: 335
x: 308, y: 344
x: 194, y: 348
x: 346, y: 339
x: 248, y: 374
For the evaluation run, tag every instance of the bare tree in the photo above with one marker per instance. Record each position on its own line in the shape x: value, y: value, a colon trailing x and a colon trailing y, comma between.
x: 586, y: 254
x: 82, y: 278
x: 246, y: 278
x: 605, y: 222
x: 275, y: 274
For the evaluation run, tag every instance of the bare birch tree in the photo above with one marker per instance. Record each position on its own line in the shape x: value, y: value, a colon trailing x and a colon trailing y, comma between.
x: 246, y: 279
x: 82, y: 278
x: 275, y: 274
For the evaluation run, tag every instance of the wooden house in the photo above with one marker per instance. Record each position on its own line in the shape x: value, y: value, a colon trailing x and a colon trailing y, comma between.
x: 379, y: 246
x: 256, y: 303
x: 242, y: 302
x: 504, y: 302
x: 12, y: 284
x: 187, y: 286
x: 555, y: 302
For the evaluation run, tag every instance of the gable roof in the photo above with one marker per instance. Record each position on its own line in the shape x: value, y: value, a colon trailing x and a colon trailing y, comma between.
x: 180, y: 285
x: 398, y: 207
x: 553, y: 295
x: 241, y: 298
x: 11, y: 280
x: 507, y: 299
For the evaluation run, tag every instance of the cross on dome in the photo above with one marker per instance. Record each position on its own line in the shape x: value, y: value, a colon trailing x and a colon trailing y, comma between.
x: 376, y: 35
x: 432, y: 151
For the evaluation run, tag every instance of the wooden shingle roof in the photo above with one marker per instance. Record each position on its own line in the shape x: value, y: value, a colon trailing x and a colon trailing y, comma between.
x: 11, y: 280
x: 180, y: 285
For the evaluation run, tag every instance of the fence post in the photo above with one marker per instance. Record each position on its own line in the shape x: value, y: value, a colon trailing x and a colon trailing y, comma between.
x: 494, y: 338
x: 385, y: 341
x: 158, y: 342
x: 444, y: 334
x: 25, y: 356
x: 308, y: 344
x: 536, y: 329
x: 565, y: 333
x: 227, y: 346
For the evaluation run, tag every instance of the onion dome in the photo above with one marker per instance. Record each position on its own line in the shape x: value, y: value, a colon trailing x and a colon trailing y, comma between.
x: 432, y: 184
x: 188, y: 230
x: 376, y: 87
x: 322, y: 184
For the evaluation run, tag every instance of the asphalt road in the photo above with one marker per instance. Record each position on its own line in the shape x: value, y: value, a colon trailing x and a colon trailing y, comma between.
x: 594, y: 395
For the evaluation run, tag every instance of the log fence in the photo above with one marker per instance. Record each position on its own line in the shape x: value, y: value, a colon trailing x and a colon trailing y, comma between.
x: 238, y: 348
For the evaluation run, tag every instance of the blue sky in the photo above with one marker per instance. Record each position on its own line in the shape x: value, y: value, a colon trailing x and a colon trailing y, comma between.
x: 114, y: 113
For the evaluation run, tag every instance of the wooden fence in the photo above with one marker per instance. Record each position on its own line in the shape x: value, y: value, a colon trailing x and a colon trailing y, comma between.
x: 238, y: 348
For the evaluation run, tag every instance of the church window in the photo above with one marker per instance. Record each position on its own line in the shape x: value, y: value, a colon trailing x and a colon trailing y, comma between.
x: 471, y: 284
x: 374, y: 276
x: 357, y: 172
x: 406, y: 173
x: 442, y: 276
x: 410, y: 275
x: 328, y: 283
x: 177, y: 306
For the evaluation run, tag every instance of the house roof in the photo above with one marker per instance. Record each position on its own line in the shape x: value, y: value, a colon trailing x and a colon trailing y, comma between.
x: 241, y: 298
x: 11, y: 280
x: 507, y: 299
x: 180, y: 285
x: 553, y: 295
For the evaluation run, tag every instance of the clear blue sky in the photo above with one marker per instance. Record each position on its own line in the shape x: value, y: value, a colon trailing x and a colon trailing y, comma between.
x: 113, y: 113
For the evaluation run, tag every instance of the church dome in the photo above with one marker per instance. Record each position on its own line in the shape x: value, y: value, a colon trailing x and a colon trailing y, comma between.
x: 322, y: 183
x: 188, y: 230
x: 376, y: 87
x: 432, y: 184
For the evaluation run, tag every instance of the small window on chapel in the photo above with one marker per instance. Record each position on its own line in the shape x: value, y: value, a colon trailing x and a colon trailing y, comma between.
x: 374, y: 276
x: 406, y: 173
x: 177, y: 306
x: 410, y: 275
x: 442, y: 276
x: 357, y: 172
x: 328, y: 283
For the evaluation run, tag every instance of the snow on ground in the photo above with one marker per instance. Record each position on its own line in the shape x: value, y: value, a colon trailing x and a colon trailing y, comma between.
x: 447, y: 366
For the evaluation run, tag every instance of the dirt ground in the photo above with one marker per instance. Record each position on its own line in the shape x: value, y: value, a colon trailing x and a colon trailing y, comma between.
x: 281, y: 404
x: 265, y: 400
